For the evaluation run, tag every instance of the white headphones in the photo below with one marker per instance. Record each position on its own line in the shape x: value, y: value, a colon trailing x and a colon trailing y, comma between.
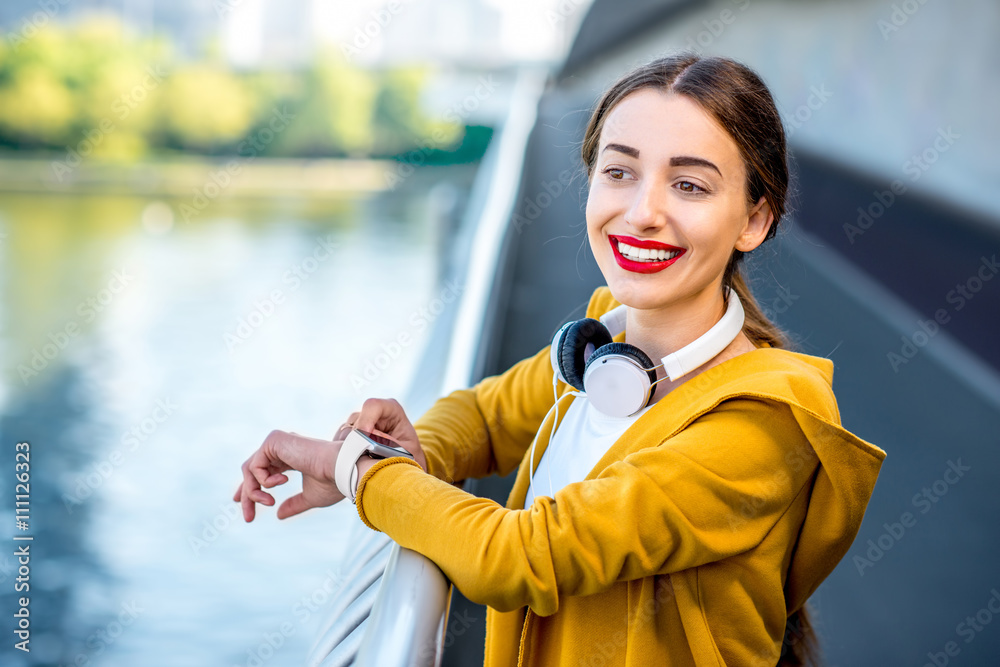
x: 617, y: 378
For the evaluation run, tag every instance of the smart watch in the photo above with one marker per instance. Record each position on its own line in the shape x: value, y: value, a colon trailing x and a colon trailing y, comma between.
x: 359, y: 443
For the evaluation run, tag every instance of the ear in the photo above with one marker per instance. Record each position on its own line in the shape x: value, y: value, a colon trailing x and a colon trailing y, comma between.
x: 758, y: 222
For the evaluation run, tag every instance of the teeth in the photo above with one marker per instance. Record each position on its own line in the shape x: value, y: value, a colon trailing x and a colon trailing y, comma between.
x: 646, y: 254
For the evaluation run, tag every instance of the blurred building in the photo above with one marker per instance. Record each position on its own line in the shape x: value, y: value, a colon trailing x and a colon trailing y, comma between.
x: 475, y: 45
x: 287, y: 33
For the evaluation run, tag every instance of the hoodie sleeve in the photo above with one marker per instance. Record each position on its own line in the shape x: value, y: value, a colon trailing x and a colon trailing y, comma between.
x: 712, y: 491
x: 488, y: 428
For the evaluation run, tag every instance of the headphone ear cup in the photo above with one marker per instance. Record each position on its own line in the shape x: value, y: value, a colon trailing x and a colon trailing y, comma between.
x: 626, y: 350
x: 572, y: 353
x: 617, y: 381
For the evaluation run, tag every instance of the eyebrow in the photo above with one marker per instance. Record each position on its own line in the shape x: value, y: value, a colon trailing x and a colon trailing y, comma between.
x: 676, y: 161
x: 622, y: 148
x: 691, y: 161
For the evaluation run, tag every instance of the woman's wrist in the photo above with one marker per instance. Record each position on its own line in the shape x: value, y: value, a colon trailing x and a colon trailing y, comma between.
x: 364, y: 464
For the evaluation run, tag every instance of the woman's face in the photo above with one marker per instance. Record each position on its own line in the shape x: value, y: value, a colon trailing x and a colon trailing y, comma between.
x: 667, y: 202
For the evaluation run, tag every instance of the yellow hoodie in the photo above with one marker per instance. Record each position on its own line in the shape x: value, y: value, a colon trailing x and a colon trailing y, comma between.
x: 713, y: 517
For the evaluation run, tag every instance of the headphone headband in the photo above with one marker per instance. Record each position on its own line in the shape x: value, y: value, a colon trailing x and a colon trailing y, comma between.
x: 702, y: 349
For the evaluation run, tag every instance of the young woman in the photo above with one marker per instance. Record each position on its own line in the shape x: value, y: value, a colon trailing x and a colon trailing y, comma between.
x: 687, y: 526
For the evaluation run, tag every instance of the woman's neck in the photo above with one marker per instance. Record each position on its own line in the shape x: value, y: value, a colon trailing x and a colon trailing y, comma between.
x: 662, y: 332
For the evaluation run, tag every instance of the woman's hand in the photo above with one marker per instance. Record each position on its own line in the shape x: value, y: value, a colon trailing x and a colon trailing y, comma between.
x: 317, y: 460
x: 386, y: 416
x: 281, y: 452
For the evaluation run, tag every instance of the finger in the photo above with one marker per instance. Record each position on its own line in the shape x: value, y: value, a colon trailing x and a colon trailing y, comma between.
x: 385, y: 435
x: 260, y: 474
x: 262, y: 497
x: 297, y: 504
x: 267, y: 460
x: 346, y: 427
x: 271, y: 457
x: 239, y: 492
x: 378, y: 412
x: 275, y: 479
x: 249, y: 484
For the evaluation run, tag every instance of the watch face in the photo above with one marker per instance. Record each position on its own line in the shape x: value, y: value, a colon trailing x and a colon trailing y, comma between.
x: 380, y: 439
x: 381, y: 447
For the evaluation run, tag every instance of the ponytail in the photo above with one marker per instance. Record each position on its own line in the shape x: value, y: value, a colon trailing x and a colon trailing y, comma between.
x: 758, y: 328
x: 800, y: 646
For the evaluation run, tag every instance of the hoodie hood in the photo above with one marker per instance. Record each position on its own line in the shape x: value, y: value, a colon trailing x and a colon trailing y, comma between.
x: 844, y: 480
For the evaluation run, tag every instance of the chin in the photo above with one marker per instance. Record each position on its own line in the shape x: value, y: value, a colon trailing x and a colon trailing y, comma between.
x: 640, y: 297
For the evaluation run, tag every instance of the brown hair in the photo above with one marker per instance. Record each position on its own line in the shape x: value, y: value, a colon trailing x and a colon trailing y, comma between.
x: 739, y: 100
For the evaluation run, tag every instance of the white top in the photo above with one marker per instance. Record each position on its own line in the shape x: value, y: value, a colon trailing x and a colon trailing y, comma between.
x: 583, y: 436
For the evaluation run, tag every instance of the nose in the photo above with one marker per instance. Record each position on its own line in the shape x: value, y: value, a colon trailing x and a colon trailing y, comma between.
x: 648, y: 209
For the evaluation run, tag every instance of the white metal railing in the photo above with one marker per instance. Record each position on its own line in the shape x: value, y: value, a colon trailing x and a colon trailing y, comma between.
x: 409, y: 619
x: 339, y: 640
x: 493, y: 224
x: 392, y: 610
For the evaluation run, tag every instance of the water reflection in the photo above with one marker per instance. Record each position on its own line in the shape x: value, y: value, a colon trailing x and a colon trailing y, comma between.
x: 144, y: 359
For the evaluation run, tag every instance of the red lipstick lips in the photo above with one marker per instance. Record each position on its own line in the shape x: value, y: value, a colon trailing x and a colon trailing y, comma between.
x: 646, y: 266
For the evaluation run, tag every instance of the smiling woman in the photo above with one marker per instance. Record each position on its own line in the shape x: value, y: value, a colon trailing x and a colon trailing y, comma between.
x: 688, y: 524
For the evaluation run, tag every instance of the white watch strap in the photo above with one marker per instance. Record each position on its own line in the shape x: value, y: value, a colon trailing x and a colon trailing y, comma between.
x: 345, y: 473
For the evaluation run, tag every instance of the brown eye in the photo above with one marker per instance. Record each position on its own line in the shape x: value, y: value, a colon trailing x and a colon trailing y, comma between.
x: 688, y: 186
x: 615, y: 173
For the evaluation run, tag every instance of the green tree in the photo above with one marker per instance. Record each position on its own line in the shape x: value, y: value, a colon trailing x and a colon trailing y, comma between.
x: 333, y: 111
x: 205, y: 107
x: 400, y: 121
x: 37, y: 107
x: 96, y: 84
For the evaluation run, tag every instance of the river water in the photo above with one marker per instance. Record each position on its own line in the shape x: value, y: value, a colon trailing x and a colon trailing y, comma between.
x: 144, y: 359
